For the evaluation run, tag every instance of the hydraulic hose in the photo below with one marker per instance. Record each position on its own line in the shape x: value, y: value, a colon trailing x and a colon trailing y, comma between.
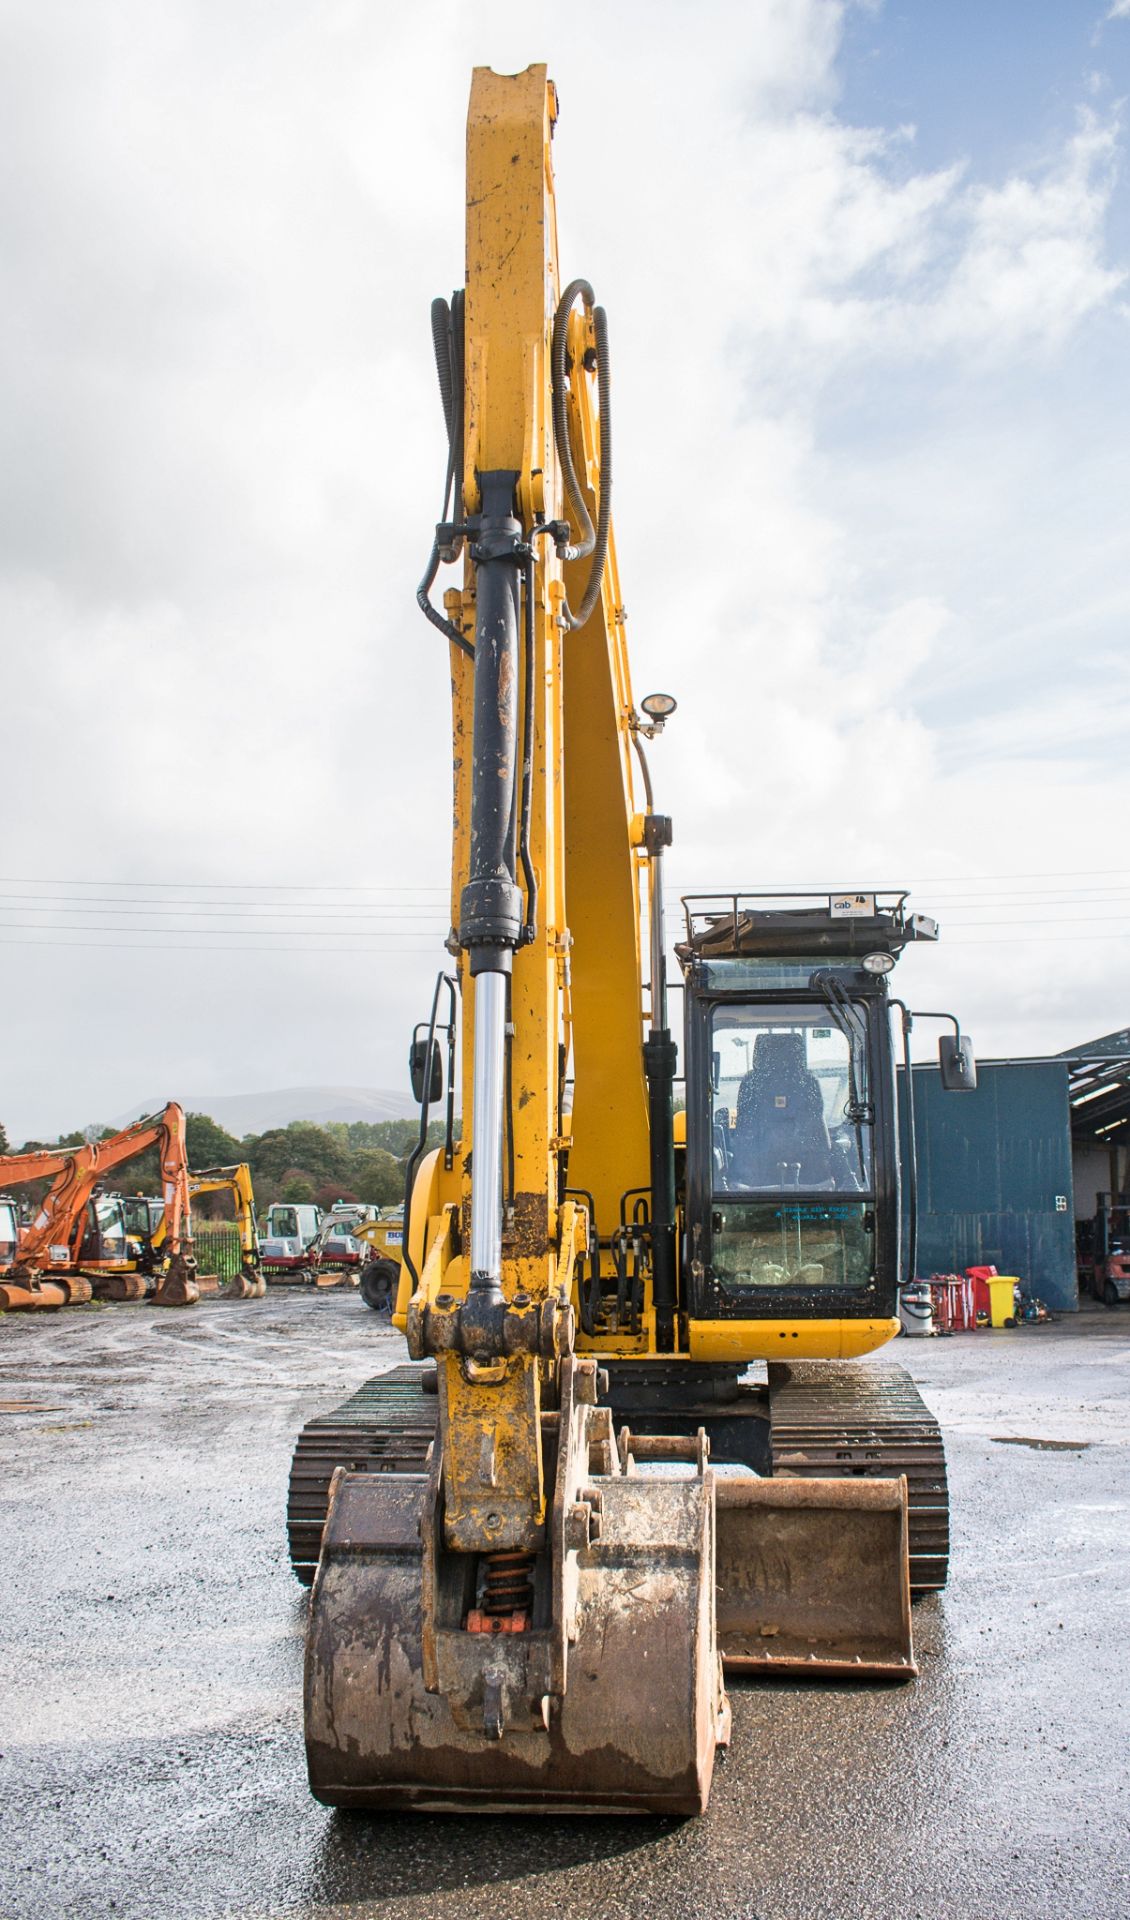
x: 441, y: 344
x: 529, y: 715
x: 447, y: 343
x: 592, y: 542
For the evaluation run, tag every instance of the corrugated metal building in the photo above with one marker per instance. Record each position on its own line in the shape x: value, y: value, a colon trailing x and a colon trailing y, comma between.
x: 995, y: 1176
x: 1099, y: 1074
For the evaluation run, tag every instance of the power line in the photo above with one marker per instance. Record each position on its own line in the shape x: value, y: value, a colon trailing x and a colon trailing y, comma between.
x: 283, y: 933
x: 215, y: 911
x: 427, y: 913
x: 164, y: 946
x: 1118, y: 919
x: 229, y: 886
x: 1033, y: 940
x: 114, y: 946
x: 965, y: 881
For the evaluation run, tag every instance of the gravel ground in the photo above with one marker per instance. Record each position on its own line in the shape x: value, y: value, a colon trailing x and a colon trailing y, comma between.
x: 151, y: 1649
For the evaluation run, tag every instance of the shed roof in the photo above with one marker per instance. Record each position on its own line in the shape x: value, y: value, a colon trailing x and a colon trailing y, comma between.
x: 1098, y: 1075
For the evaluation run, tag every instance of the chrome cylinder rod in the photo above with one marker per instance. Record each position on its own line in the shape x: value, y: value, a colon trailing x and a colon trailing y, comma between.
x: 488, y: 1095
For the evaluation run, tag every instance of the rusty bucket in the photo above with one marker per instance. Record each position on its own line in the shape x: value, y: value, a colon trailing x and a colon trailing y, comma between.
x: 405, y: 1708
x: 812, y: 1577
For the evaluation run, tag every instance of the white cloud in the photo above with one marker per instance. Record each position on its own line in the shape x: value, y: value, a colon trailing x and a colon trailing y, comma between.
x: 855, y: 511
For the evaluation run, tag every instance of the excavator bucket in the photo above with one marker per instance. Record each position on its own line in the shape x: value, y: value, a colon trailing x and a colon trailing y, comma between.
x: 812, y: 1577
x: 247, y: 1284
x: 408, y: 1708
x: 177, y: 1285
x: 244, y: 1285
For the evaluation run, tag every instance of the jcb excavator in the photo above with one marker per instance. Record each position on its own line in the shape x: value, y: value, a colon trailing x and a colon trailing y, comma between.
x: 66, y: 1242
x: 250, y: 1283
x: 631, y: 1446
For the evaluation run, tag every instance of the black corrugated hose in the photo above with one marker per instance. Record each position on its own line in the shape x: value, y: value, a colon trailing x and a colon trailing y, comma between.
x: 590, y: 542
x: 447, y: 341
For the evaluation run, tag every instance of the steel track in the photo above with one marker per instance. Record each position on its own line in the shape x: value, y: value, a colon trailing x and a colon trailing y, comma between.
x: 385, y: 1427
x: 830, y: 1419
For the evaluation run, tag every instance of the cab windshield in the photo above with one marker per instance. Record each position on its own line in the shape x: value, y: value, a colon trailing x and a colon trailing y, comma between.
x: 790, y: 1100
x: 108, y: 1218
x: 791, y: 1141
x: 140, y: 1218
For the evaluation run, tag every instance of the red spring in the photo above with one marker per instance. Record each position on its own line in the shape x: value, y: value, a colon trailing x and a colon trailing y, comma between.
x: 508, y: 1594
x: 509, y: 1583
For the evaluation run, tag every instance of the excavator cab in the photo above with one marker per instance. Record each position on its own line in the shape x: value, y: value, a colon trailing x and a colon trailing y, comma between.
x: 105, y: 1243
x: 144, y: 1214
x: 9, y: 1231
x: 792, y: 1175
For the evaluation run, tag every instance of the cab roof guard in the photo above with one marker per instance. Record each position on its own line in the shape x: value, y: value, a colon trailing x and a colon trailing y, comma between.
x: 846, y: 921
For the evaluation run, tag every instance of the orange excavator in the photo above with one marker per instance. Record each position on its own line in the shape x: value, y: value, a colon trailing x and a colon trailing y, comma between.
x: 72, y: 1249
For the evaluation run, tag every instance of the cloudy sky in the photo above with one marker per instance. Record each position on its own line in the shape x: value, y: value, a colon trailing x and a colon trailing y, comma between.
x: 867, y: 269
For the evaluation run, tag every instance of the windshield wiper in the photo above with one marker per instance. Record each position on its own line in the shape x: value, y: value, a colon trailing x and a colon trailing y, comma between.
x: 859, y: 1109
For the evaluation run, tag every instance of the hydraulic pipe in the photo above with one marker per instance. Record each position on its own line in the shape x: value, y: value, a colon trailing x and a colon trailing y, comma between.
x: 911, y: 1144
x: 490, y: 909
x: 658, y: 957
x: 660, y: 1058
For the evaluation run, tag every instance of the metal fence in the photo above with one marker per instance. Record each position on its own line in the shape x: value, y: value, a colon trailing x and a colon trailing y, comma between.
x: 217, y: 1247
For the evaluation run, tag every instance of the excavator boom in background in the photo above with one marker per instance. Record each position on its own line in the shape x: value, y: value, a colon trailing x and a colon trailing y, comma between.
x: 55, y: 1256
x: 250, y: 1283
x: 630, y: 1445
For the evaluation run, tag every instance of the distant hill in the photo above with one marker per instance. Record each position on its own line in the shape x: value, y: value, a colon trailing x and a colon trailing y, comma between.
x: 244, y: 1113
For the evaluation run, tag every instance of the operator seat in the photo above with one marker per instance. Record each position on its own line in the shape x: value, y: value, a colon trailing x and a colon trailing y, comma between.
x: 780, y: 1121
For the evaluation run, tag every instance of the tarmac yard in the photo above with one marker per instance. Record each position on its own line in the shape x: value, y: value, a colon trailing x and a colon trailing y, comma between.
x: 151, y: 1758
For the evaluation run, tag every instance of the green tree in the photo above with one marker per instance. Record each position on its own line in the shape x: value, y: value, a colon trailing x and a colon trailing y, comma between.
x: 297, y: 1189
x: 334, y: 1190
x: 4, y: 1147
x: 301, y: 1147
x: 395, y: 1136
x: 378, y: 1177
x: 209, y: 1144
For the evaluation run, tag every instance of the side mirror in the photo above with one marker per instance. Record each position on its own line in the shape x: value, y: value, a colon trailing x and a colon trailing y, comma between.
x: 426, y: 1084
x: 957, y: 1064
x: 716, y: 1070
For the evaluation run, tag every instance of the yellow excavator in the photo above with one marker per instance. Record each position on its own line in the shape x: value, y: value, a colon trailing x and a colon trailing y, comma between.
x: 250, y: 1283
x: 145, y: 1226
x: 632, y: 1445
